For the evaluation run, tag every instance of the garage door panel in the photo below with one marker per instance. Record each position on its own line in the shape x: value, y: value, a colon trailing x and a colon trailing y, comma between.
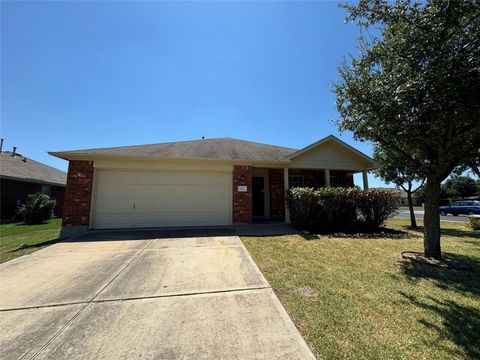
x: 112, y: 191
x: 119, y: 178
x: 148, y: 219
x: 133, y: 199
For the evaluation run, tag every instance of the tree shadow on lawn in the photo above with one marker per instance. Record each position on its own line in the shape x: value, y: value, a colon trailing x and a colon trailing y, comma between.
x: 452, y: 232
x: 462, y: 281
x: 461, y: 324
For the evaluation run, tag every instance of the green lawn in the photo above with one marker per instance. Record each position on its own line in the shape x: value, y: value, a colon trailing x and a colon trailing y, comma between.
x: 416, y: 207
x: 357, y: 298
x: 12, y: 236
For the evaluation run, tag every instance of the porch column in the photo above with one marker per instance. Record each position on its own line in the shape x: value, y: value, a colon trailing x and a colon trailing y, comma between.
x: 365, y: 180
x: 327, y: 177
x: 285, y: 188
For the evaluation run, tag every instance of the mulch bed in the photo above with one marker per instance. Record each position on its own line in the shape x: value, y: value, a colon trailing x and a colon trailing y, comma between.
x: 384, y: 234
x: 375, y: 235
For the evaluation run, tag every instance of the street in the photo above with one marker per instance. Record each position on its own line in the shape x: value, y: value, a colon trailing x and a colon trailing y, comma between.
x: 419, y: 215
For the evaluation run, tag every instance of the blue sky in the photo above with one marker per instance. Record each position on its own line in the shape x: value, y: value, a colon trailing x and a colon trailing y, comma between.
x: 99, y: 74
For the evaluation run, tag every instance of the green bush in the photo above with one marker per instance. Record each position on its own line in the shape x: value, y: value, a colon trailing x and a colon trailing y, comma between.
x: 340, y: 209
x: 37, y: 209
x: 474, y: 222
x: 376, y: 206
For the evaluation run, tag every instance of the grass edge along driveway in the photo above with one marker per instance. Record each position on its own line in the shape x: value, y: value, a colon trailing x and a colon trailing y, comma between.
x: 358, y: 299
x: 35, y: 237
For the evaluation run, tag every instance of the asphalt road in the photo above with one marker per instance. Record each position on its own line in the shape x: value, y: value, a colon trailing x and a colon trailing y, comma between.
x: 419, y: 215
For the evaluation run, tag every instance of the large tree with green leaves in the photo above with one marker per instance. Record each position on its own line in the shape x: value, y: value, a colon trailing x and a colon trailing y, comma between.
x: 414, y: 89
x: 393, y: 170
x: 461, y: 186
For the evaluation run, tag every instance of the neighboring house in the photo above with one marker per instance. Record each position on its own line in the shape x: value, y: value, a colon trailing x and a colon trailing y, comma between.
x: 198, y: 183
x: 20, y: 176
x: 404, y: 199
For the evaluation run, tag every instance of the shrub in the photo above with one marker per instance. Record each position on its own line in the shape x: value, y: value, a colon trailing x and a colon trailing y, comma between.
x: 304, y: 207
x: 340, y: 209
x: 474, y: 222
x: 37, y: 209
x: 376, y: 206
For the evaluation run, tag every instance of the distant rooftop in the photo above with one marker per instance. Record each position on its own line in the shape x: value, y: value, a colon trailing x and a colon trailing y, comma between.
x: 14, y: 167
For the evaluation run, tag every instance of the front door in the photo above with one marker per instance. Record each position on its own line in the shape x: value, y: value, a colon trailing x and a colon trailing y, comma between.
x: 258, y: 197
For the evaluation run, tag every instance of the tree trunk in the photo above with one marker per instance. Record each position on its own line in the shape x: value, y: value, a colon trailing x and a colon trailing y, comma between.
x: 431, y: 220
x: 413, y: 221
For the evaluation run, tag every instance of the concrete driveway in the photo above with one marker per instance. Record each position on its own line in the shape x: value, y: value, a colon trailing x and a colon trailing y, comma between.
x: 169, y: 294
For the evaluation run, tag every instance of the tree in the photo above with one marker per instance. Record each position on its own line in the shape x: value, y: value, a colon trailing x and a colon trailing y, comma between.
x: 414, y: 89
x: 393, y: 170
x: 461, y: 186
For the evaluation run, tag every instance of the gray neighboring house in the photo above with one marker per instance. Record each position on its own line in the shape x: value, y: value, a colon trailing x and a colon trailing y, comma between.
x: 21, y: 176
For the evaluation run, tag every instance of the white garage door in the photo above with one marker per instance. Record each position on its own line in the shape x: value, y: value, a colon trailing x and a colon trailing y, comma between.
x: 126, y: 199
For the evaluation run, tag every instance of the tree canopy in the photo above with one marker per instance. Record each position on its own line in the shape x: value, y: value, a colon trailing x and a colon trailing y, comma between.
x: 461, y: 186
x: 414, y: 89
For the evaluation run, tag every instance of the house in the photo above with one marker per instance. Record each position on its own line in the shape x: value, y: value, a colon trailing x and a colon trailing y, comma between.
x: 21, y: 176
x: 209, y: 182
x: 404, y: 198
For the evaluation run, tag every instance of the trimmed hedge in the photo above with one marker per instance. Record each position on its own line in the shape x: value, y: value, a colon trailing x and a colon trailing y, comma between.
x: 340, y: 209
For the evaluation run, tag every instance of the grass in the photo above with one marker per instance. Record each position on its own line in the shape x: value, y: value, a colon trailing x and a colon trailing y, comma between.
x: 358, y: 299
x: 12, y: 236
x: 415, y: 207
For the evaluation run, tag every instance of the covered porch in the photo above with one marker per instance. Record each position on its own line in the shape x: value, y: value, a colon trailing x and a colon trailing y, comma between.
x: 269, y: 187
x: 259, y: 188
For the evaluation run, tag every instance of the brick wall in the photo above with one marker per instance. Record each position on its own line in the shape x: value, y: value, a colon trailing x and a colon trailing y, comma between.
x: 12, y: 192
x: 78, y: 194
x: 277, y: 195
x: 58, y: 193
x: 242, y: 201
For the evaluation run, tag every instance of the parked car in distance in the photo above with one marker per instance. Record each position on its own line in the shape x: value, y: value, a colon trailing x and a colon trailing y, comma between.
x: 468, y: 207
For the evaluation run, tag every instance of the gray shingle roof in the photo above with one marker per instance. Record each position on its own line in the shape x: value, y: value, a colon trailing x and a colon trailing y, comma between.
x: 29, y: 170
x: 219, y: 148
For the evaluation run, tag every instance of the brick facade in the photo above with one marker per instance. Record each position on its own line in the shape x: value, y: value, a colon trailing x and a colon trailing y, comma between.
x: 242, y: 201
x: 78, y: 194
x: 277, y: 195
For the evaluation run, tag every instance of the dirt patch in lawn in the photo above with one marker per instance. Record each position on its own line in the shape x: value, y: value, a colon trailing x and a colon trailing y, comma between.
x: 307, y: 292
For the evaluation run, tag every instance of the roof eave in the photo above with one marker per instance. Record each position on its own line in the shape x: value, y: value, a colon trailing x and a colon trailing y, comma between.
x: 31, y: 180
x: 374, y: 164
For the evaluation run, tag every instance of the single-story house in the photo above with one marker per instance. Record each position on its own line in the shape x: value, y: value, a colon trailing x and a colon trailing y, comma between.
x: 208, y: 182
x: 21, y: 176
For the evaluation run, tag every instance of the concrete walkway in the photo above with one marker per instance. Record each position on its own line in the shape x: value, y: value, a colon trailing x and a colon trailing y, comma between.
x: 178, y: 294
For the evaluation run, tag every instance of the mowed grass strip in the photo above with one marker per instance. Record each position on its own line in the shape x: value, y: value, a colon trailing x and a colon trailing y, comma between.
x: 12, y: 236
x: 358, y: 299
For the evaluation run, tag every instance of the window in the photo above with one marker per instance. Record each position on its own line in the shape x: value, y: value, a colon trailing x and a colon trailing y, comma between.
x: 295, y: 181
x: 46, y: 189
